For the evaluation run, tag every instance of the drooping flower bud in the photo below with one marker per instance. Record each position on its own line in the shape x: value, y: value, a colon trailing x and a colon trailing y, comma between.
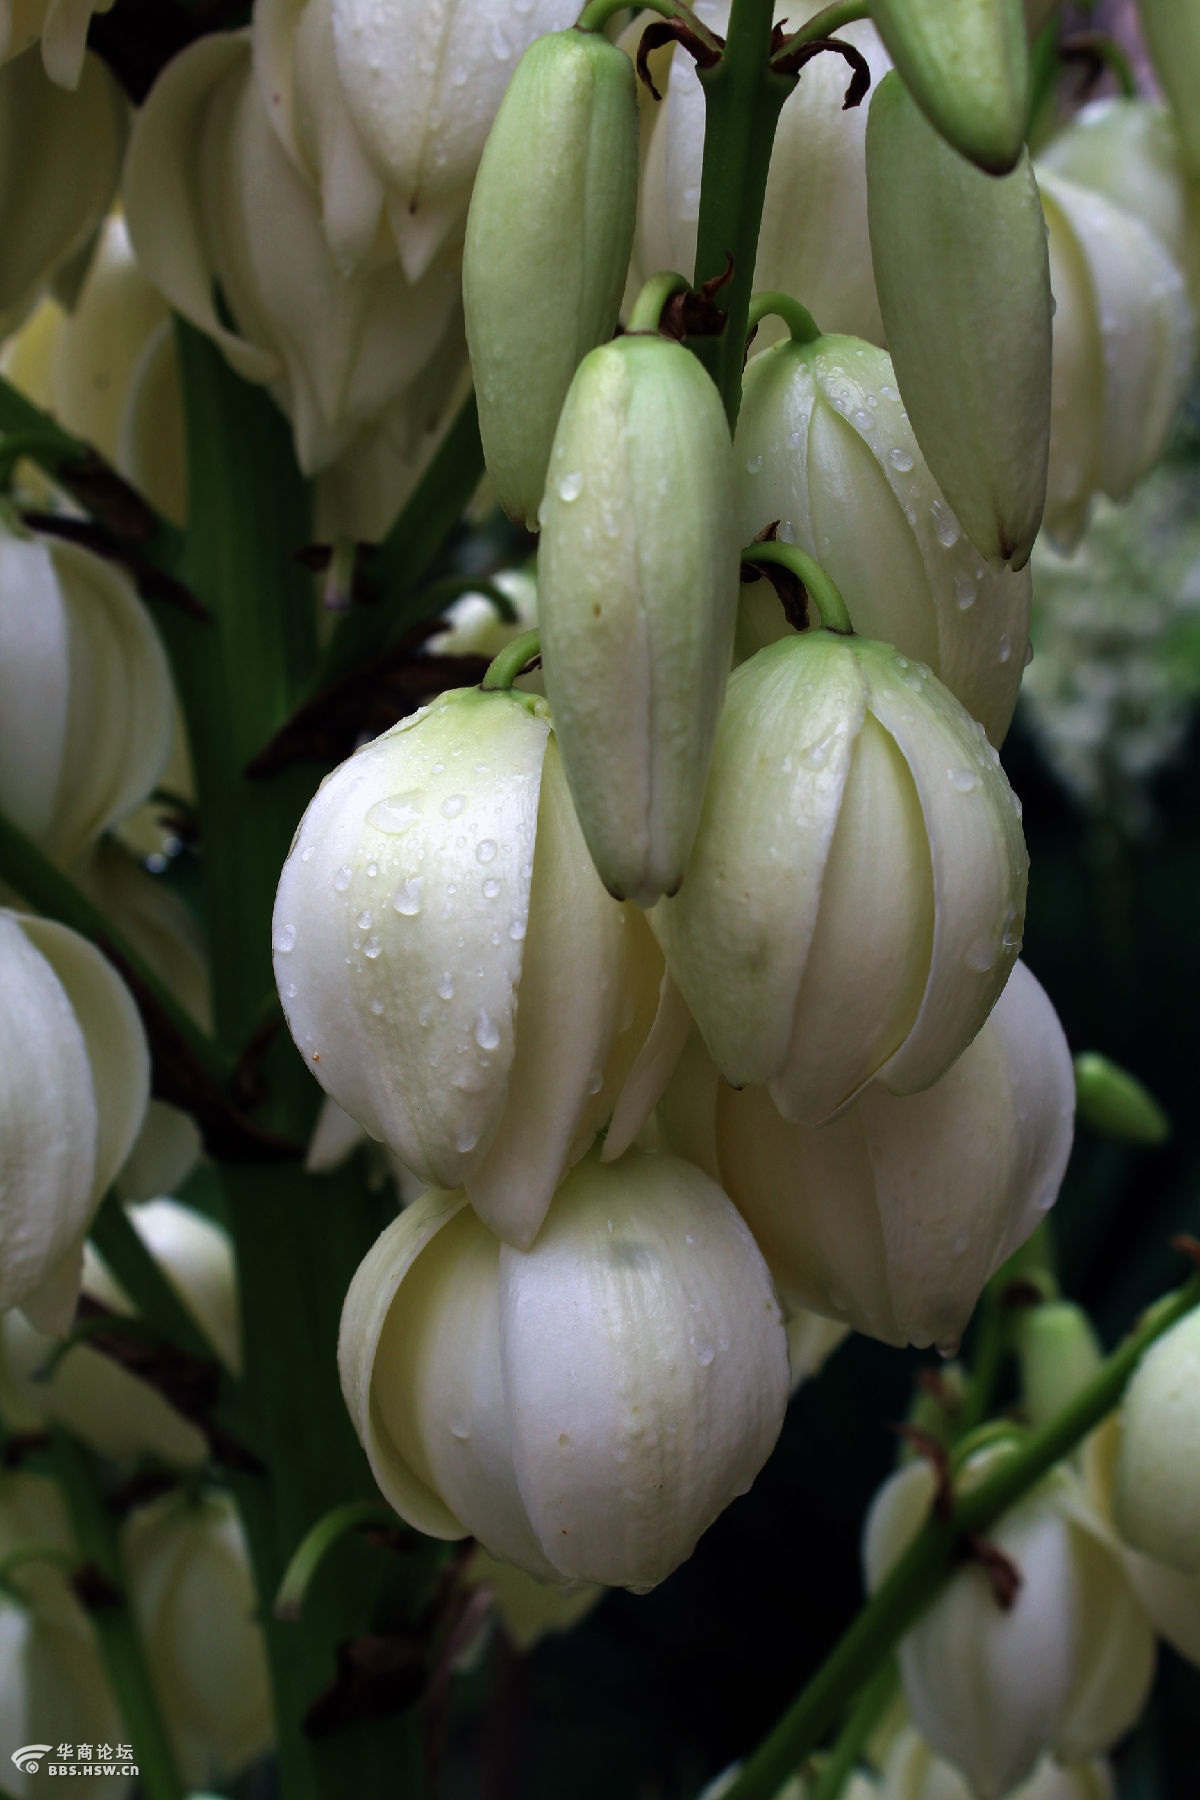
x: 62, y: 157
x: 814, y: 241
x: 891, y: 1218
x: 966, y: 64
x: 637, y: 596
x: 1157, y: 1494
x: 585, y: 1409
x: 193, y: 1596
x: 62, y: 27
x: 449, y: 964
x: 824, y: 446
x: 964, y: 288
x: 1124, y: 337
x: 854, y: 900
x: 1058, y: 1352
x: 1066, y: 1668
x: 213, y: 201
x: 73, y: 1089
x: 547, y: 249
x: 105, y: 1405
x: 76, y: 648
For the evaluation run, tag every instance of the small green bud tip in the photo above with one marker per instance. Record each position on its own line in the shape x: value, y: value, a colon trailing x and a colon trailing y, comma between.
x: 1115, y: 1102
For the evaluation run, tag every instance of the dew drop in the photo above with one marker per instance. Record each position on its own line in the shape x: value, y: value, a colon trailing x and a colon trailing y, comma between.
x: 490, y: 888
x: 407, y: 897
x: 453, y: 805
x: 445, y: 987
x: 285, y: 939
x: 981, y: 956
x: 1005, y: 648
x: 964, y: 780
x: 372, y: 948
x: 753, y: 464
x: 363, y: 920
x: 946, y: 526
x: 900, y: 459
x: 377, y: 1007
x: 487, y: 1032
x: 395, y: 814
x: 343, y: 878
x: 485, y: 850
x: 570, y: 486
x: 308, y: 852
x: 702, y: 1351
x: 964, y: 590
x: 290, y: 991
x: 595, y: 1082
x: 794, y: 439
x: 460, y: 1429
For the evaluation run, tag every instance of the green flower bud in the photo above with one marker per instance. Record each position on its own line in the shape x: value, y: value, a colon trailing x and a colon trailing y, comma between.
x: 548, y: 240
x: 963, y: 278
x: 854, y: 900
x: 1173, y: 36
x: 1157, y: 1494
x: 1059, y: 1352
x: 637, y: 595
x: 1115, y: 1102
x: 966, y: 64
x: 825, y: 447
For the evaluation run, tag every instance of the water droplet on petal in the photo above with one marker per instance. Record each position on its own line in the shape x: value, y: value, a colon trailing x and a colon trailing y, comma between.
x: 900, y: 459
x: 453, y: 805
x: 407, y: 897
x: 485, y: 850
x: 285, y: 939
x: 395, y: 814
x: 487, y: 1032
x: 363, y: 920
x: 372, y: 948
x: 343, y: 878
x: 570, y: 486
x: 445, y: 987
x: 753, y: 465
x: 490, y: 888
x: 982, y: 954
x: 963, y: 779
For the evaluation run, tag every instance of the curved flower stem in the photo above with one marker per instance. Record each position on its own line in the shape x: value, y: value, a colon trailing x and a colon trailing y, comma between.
x: 916, y: 1578
x: 597, y: 13
x: 801, y: 325
x: 508, y: 664
x: 124, y: 1657
x: 743, y: 99
x: 1099, y: 47
x: 289, y: 1601
x: 825, y: 23
x: 823, y: 590
x: 648, y: 307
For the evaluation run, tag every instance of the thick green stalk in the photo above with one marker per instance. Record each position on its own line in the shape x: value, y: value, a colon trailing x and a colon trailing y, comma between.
x: 855, y: 1734
x: 120, y: 1645
x: 929, y: 1560
x: 743, y: 99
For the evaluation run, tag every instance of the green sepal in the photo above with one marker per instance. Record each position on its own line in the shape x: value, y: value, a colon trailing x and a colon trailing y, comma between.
x: 966, y: 64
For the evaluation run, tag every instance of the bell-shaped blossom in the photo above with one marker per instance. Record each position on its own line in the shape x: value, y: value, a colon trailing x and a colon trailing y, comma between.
x: 60, y: 25
x: 547, y: 248
x: 192, y: 1593
x: 964, y: 288
x: 1065, y: 1669
x: 967, y: 68
x: 386, y: 105
x: 637, y: 598
x: 449, y: 964
x: 1157, y: 1480
x: 1129, y: 151
x: 858, y: 1786
x: 814, y: 241
x: 51, y: 1668
x: 215, y: 205
x: 912, y: 1771
x: 86, y: 702
x: 107, y: 1406
x: 60, y: 157
x: 1124, y: 339
x: 855, y: 897
x: 585, y: 1408
x: 74, y: 1082
x: 892, y: 1217
x: 824, y: 447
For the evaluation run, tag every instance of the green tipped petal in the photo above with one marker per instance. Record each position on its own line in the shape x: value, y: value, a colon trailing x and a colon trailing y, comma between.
x: 966, y: 64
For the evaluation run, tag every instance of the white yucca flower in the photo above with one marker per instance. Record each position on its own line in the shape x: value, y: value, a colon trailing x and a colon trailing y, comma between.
x: 60, y: 25
x: 74, y: 1082
x: 86, y: 702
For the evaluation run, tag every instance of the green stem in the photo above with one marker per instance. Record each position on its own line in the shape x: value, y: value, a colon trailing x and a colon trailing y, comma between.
x: 799, y: 321
x: 821, y: 587
x: 923, y: 1568
x: 289, y: 1601
x: 743, y: 99
x: 124, y: 1658
x: 852, y: 1740
x: 1107, y: 51
x: 24, y: 867
x: 647, y: 308
x: 440, y: 595
x: 597, y: 13
x: 504, y: 668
